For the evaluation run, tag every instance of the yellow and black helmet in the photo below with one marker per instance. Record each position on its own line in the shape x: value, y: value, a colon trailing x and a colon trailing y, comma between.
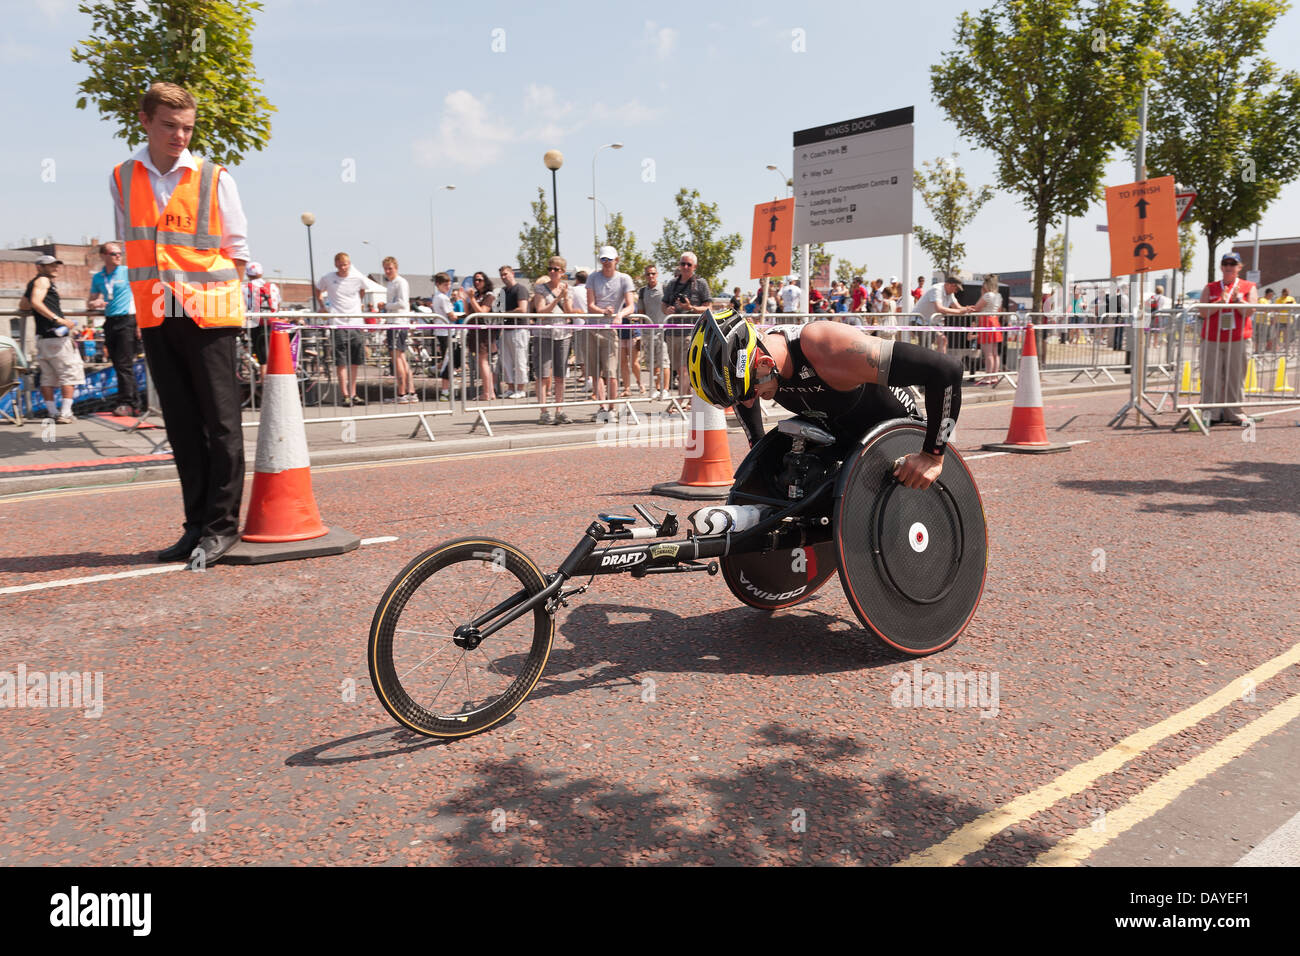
x: 721, y: 361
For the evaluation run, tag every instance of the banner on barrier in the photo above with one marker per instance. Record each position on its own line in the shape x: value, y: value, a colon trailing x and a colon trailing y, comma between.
x: 100, y: 386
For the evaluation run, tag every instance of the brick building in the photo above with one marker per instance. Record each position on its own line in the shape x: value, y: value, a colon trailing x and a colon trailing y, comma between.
x: 1279, y: 260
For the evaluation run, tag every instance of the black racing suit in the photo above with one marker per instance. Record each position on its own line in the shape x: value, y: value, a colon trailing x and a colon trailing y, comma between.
x: 851, y: 414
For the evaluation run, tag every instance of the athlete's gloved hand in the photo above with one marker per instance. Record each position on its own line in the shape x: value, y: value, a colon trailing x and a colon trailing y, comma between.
x: 918, y: 470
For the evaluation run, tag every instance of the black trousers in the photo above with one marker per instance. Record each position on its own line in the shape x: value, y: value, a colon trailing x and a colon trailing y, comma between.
x: 119, y: 339
x: 193, y: 370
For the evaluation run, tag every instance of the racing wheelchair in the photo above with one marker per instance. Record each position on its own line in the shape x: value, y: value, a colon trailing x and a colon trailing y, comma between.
x: 463, y: 633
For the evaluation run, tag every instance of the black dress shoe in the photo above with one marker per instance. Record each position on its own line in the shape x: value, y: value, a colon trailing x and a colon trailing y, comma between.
x: 181, y: 549
x: 212, y: 547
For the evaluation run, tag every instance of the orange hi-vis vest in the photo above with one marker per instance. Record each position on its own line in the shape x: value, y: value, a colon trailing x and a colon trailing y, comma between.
x: 179, y: 249
x: 1227, y: 325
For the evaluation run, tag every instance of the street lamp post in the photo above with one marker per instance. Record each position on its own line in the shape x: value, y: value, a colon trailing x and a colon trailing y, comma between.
x: 309, y: 220
x: 789, y: 183
x: 604, y: 207
x: 804, y: 265
x: 554, y: 159
x: 595, y: 239
x: 433, y: 259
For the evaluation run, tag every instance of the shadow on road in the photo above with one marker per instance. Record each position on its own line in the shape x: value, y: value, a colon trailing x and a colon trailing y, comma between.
x: 402, y: 742
x: 81, y: 559
x: 1241, y: 487
x: 805, y: 640
x: 798, y: 799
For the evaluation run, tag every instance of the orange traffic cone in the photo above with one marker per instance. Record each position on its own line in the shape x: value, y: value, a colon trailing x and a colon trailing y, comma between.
x: 1028, y: 432
x: 706, y: 473
x: 283, y: 521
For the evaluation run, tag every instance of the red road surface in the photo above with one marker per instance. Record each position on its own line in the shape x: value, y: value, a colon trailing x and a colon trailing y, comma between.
x: 239, y: 725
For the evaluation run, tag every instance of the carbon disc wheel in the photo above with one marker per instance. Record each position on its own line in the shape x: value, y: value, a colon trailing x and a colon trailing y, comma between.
x: 912, y: 562
x: 429, y: 667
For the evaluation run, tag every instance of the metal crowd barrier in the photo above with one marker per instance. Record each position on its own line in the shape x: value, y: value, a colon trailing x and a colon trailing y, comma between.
x: 1260, y: 372
x: 440, y: 351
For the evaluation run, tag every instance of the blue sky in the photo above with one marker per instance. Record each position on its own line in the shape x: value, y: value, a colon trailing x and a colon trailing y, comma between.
x: 382, y: 104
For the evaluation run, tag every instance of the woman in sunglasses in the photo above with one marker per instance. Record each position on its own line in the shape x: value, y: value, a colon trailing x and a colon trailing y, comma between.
x: 552, y: 299
x: 482, y: 343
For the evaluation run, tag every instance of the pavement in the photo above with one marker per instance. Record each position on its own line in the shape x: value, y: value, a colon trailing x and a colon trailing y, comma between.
x: 1138, y: 615
x: 100, y: 449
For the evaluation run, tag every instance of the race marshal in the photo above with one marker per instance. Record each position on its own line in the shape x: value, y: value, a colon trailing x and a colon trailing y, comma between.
x: 1143, y: 227
x: 770, y: 245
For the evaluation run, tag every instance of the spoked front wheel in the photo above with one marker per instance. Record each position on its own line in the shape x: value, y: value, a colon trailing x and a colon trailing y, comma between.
x: 430, y: 668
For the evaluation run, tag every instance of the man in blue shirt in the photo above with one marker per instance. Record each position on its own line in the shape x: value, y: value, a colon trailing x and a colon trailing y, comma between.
x: 111, y: 291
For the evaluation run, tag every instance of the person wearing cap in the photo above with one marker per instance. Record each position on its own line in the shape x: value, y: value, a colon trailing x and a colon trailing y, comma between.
x: 686, y: 298
x: 1223, y: 336
x: 57, y: 357
x: 941, y: 300
x: 185, y: 241
x: 792, y: 297
x: 260, y: 296
x: 612, y: 295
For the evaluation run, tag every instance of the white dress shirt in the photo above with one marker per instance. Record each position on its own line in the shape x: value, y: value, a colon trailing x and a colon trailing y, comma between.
x: 234, y: 227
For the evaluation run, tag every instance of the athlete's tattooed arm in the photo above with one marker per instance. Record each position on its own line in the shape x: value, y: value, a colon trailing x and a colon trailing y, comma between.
x: 843, y: 355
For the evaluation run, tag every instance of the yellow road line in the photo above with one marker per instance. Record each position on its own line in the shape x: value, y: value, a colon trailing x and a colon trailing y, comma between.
x: 1083, y: 843
x: 976, y: 835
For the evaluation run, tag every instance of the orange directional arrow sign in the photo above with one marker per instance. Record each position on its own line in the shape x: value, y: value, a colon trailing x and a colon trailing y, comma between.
x: 1143, y: 226
x: 770, y: 246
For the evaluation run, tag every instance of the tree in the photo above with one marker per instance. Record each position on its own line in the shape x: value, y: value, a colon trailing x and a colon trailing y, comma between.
x: 202, y: 45
x: 1186, y: 246
x: 537, y: 242
x: 1225, y: 121
x: 846, y: 270
x: 1050, y: 87
x: 630, y: 259
x: 953, y: 204
x: 820, y: 258
x: 1054, y: 259
x: 696, y: 230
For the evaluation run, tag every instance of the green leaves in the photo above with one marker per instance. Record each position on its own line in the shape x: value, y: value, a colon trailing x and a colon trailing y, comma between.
x: 630, y: 259
x: 1225, y: 121
x: 203, y: 45
x: 537, y: 242
x: 696, y: 230
x: 953, y: 204
x: 1029, y: 82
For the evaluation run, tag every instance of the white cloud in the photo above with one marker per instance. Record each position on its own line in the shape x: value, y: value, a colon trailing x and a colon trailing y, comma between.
x: 471, y: 133
x: 468, y: 134
x: 53, y: 9
x: 542, y: 99
x: 661, y: 39
x: 631, y: 113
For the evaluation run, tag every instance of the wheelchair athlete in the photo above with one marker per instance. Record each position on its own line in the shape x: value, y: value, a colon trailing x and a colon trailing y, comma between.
x: 835, y: 374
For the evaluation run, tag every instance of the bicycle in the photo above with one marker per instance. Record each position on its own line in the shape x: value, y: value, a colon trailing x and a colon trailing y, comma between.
x: 463, y: 633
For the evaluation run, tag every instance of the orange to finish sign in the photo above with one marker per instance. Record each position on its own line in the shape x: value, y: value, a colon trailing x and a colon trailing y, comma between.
x: 770, y: 247
x: 1143, y: 226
